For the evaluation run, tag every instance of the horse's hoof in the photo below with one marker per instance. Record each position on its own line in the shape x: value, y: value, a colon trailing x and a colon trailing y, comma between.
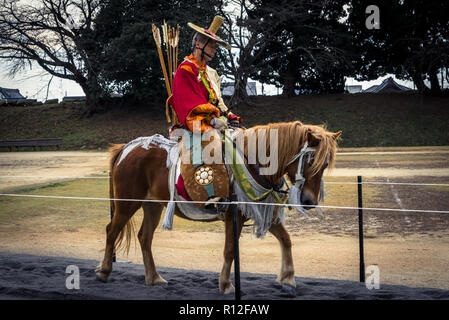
x: 102, y: 276
x: 287, y: 281
x: 227, y: 288
x: 158, y: 280
x: 290, y: 291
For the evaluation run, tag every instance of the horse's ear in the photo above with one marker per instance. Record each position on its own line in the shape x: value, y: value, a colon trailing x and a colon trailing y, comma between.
x: 313, y: 137
x: 337, y: 135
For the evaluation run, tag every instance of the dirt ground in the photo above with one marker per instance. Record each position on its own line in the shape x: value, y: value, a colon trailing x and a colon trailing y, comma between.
x: 30, y: 168
x: 409, y: 248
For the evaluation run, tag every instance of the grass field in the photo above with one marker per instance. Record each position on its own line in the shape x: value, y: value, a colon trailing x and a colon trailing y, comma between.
x: 367, y: 120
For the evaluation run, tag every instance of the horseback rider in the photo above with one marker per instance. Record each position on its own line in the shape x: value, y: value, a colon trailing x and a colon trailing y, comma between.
x: 196, y: 94
x: 196, y: 99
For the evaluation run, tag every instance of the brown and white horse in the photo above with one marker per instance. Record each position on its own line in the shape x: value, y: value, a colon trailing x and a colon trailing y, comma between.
x: 144, y: 175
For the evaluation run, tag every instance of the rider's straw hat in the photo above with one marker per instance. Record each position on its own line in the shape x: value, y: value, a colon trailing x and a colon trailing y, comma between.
x: 211, y: 32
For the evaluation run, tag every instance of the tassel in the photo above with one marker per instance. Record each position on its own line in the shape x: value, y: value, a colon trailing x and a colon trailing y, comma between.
x: 320, y: 212
x: 167, y: 224
x: 294, y: 198
x: 322, y: 194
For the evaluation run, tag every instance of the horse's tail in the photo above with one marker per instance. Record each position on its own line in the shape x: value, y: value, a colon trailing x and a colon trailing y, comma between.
x: 114, y: 152
x: 128, y: 231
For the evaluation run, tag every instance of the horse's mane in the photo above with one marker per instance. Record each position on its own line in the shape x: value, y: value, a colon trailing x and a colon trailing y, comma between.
x: 291, y: 138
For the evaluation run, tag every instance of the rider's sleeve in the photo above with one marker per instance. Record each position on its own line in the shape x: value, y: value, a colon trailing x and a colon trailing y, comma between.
x: 204, y: 113
x: 216, y: 84
x: 189, y: 101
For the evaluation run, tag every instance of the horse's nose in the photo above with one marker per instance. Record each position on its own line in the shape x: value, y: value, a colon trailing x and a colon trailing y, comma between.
x: 308, y: 200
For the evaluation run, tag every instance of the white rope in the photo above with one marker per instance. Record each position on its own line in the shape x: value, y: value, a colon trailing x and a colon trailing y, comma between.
x: 54, y: 177
x: 224, y: 203
x: 328, y: 182
x: 393, y: 183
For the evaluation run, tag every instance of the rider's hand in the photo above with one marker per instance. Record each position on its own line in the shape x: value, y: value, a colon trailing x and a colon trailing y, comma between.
x: 219, y: 123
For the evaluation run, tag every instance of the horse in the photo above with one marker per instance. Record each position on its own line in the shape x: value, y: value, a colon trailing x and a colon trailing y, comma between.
x: 304, y: 152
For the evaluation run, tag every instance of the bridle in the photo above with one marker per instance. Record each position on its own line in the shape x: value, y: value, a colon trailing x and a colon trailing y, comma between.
x: 306, y: 153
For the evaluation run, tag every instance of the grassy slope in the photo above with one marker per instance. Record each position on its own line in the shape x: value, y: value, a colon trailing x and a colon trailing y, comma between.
x: 367, y: 120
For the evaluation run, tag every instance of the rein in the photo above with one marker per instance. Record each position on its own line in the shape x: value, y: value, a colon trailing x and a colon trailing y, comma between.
x: 243, y: 176
x: 299, y: 177
x: 308, y: 152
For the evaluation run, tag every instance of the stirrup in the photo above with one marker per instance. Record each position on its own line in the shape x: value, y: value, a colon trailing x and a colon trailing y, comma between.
x: 213, y: 202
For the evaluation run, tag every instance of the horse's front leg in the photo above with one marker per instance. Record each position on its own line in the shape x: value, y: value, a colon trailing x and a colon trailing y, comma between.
x: 287, y: 274
x: 225, y: 284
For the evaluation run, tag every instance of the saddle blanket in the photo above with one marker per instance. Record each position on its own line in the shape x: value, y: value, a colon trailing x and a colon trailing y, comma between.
x: 177, y: 189
x: 157, y: 140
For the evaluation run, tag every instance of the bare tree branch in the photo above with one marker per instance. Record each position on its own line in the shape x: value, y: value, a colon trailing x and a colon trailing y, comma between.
x: 51, y: 33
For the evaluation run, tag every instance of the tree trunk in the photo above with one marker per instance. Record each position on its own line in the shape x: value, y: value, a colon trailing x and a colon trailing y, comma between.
x: 419, y: 82
x: 288, y: 91
x: 434, y: 83
x: 94, y: 95
x: 240, y: 94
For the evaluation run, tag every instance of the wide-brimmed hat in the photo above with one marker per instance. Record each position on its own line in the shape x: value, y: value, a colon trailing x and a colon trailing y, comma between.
x: 211, y: 31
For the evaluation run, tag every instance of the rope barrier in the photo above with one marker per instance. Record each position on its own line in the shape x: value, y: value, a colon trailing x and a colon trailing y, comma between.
x: 226, y: 203
x: 54, y: 177
x: 393, y: 183
x: 329, y: 182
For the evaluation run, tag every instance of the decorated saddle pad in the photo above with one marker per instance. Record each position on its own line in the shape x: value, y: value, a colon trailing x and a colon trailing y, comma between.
x: 203, y: 170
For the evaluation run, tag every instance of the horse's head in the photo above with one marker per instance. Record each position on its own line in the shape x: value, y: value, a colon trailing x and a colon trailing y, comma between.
x: 316, y: 152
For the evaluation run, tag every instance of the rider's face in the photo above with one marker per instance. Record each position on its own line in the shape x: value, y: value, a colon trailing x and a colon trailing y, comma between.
x: 209, y: 50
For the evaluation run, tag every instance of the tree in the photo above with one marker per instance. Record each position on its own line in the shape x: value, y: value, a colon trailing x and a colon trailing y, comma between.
x: 295, y: 44
x: 311, y: 52
x: 245, y: 32
x: 130, y: 61
x: 59, y: 35
x: 412, y: 41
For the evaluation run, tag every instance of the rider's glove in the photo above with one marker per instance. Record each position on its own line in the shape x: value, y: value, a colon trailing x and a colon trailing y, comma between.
x: 219, y: 123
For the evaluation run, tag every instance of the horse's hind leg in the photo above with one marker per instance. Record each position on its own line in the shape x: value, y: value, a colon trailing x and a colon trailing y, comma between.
x: 152, y: 215
x: 225, y: 284
x: 123, y: 212
x: 287, y: 274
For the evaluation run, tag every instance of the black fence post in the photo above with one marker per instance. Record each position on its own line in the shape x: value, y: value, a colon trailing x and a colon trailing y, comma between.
x: 235, y: 227
x: 361, y: 250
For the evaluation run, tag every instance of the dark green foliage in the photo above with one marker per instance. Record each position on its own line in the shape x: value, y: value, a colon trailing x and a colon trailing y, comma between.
x: 412, y: 41
x: 130, y: 63
x: 309, y: 49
